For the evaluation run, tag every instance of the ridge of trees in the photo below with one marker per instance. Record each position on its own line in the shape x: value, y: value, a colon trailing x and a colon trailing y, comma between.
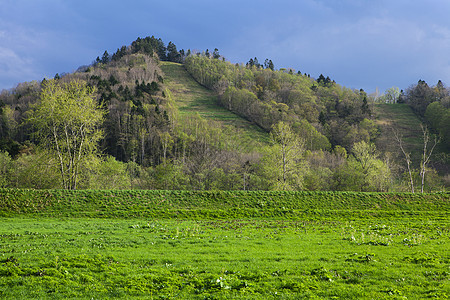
x: 334, y: 115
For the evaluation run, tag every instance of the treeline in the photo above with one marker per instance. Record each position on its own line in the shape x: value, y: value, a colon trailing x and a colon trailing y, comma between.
x: 320, y: 110
x: 321, y: 134
x: 150, y: 46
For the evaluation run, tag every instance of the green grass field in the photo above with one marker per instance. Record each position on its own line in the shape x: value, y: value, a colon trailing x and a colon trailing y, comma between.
x: 192, y: 98
x: 223, y: 245
x: 225, y: 259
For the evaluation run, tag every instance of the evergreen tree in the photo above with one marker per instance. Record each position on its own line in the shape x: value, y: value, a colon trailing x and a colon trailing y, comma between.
x: 216, y: 54
x: 268, y: 64
x: 105, y: 57
x: 172, y: 53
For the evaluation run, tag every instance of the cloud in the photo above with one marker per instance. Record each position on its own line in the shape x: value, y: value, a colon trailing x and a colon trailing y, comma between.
x: 12, y: 65
x: 16, y: 63
x: 359, y: 43
x: 34, y: 52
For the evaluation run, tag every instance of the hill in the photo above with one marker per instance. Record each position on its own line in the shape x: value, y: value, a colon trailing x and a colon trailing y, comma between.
x: 194, y: 121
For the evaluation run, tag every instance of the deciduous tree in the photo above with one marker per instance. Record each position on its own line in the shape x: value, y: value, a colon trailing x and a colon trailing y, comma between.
x: 67, y: 120
x: 407, y: 156
x: 428, y: 147
x: 287, y: 157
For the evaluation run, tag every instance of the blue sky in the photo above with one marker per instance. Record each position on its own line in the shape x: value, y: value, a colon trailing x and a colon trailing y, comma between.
x: 359, y: 43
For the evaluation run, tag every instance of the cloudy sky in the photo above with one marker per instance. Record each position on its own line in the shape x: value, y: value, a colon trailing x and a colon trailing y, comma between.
x: 358, y: 43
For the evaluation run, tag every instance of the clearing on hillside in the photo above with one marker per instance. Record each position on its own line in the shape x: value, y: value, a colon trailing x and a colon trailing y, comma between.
x: 399, y: 117
x: 192, y: 98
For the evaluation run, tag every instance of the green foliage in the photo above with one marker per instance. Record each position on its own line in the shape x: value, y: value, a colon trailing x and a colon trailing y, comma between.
x: 373, y: 173
x: 5, y: 169
x: 391, y: 96
x: 439, y: 118
x: 314, y: 140
x: 150, y: 46
x: 38, y: 170
x: 166, y: 176
x: 284, y: 162
x: 67, y: 121
x: 108, y: 174
x: 420, y: 96
x: 266, y: 97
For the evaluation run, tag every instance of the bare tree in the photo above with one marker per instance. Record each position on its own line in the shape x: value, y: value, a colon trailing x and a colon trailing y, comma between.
x: 407, y: 156
x: 429, y: 143
x: 426, y: 153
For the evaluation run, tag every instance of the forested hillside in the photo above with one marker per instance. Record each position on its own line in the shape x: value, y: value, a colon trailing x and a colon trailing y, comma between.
x: 172, y: 119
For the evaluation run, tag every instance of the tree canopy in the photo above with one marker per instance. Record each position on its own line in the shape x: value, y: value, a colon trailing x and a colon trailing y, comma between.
x: 67, y: 120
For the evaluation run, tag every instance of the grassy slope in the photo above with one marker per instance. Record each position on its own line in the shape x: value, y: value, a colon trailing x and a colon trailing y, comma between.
x: 193, y: 98
x: 402, y: 118
x: 209, y: 204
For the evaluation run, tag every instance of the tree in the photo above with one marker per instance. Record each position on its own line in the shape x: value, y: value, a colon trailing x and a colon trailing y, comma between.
x: 253, y: 62
x: 67, y: 120
x: 428, y: 147
x: 426, y: 154
x: 365, y: 109
x: 407, y: 156
x: 105, y: 57
x: 5, y: 169
x: 166, y: 143
x: 392, y: 95
x: 419, y: 97
x: 36, y: 169
x: 314, y: 140
x: 439, y: 118
x: 287, y: 155
x: 373, y: 171
x: 250, y: 63
x: 326, y: 82
x: 172, y: 53
x: 364, y: 154
x: 268, y: 64
x: 109, y: 174
x: 216, y: 54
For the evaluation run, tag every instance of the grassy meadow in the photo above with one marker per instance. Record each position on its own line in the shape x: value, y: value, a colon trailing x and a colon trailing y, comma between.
x: 197, y: 246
